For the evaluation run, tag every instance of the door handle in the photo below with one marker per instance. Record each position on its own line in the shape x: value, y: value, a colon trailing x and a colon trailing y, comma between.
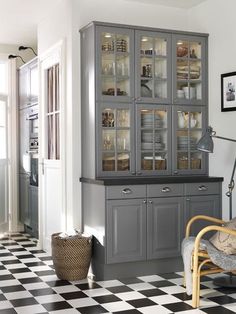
x: 166, y: 189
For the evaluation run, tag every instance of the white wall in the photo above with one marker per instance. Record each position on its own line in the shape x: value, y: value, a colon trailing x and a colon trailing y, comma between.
x: 218, y: 19
x: 13, y: 49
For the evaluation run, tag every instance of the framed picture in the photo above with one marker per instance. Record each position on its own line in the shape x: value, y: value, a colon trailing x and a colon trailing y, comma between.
x: 228, y: 91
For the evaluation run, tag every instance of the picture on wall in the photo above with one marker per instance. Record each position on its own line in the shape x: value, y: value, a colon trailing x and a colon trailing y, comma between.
x: 228, y: 91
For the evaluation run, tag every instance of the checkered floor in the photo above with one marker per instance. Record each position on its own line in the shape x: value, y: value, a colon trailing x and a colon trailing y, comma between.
x: 28, y: 284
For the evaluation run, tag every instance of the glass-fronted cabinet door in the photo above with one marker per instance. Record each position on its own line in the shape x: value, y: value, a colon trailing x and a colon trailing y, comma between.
x: 153, y: 67
x: 188, y: 127
x: 115, y: 64
x: 153, y: 151
x: 115, y: 149
x: 189, y: 70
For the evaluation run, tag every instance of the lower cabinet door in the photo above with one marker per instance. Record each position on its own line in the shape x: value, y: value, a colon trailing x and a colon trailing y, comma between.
x: 126, y: 230
x: 165, y: 227
x: 208, y: 205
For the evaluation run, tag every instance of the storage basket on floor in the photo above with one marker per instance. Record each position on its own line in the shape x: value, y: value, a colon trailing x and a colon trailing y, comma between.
x: 71, y: 256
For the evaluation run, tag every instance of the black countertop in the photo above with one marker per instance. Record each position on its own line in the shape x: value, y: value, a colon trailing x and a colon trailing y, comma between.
x: 151, y: 180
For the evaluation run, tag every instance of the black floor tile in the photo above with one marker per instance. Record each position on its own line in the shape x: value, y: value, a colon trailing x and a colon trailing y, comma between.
x: 141, y: 302
x: 58, y: 283
x: 36, y: 251
x: 19, y: 270
x: 5, y: 254
x: 119, y: 289
x: 73, y: 295
x: 8, y: 289
x: 8, y: 311
x: 42, y: 291
x: 33, y: 264
x: 95, y: 309
x: 45, y: 258
x: 25, y: 281
x: 25, y: 256
x: 12, y: 261
x: 223, y: 299
x: 23, y: 302
x: 89, y: 285
x: 56, y: 306
x: 9, y: 243
x: 178, y: 307
x: 6, y: 277
x: 2, y: 297
x: 29, y: 245
x: 129, y: 281
x: 217, y: 310
x: 45, y: 273
x: 171, y: 276
x: 21, y: 249
x: 162, y: 283
x: 152, y: 292
x: 183, y: 296
x: 107, y: 298
x: 133, y: 311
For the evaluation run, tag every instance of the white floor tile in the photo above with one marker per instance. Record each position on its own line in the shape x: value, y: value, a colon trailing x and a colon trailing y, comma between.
x: 110, y: 283
x: 49, y: 298
x: 131, y: 295
x: 154, y: 309
x: 34, y: 286
x: 140, y: 286
x: 117, y: 306
x: 25, y: 275
x: 7, y: 283
x: 5, y: 305
x: 64, y: 289
x: 30, y: 309
x: 151, y: 278
x: 173, y: 289
x: 76, y: 303
x: 96, y: 292
x: 18, y: 295
x: 164, y: 299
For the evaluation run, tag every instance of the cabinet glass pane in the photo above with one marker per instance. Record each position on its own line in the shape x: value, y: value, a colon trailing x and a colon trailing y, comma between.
x: 189, y: 119
x: 115, y: 142
x: 153, y: 139
x: 188, y: 70
x: 196, y: 160
x: 115, y: 71
x: 182, y: 161
x: 153, y: 67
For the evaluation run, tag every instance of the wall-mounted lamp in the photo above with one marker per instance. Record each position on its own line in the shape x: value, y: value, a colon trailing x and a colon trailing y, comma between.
x: 24, y: 48
x: 15, y: 56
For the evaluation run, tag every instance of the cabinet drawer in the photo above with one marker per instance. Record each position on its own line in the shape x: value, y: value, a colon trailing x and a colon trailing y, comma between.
x: 126, y: 191
x: 165, y: 190
x: 202, y: 188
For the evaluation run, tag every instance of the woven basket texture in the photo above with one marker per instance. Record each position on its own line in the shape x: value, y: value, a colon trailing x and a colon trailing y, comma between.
x: 71, y: 256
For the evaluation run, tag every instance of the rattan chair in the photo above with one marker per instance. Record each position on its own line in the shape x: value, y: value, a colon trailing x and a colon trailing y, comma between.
x: 201, y: 258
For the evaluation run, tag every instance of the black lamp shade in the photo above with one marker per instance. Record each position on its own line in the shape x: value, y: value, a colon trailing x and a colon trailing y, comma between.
x: 206, y: 144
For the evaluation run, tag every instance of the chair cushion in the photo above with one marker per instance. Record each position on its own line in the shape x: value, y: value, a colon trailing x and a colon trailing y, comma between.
x: 223, y: 241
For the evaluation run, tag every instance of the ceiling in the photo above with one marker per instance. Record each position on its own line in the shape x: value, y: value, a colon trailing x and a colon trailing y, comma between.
x: 19, y: 19
x: 183, y: 4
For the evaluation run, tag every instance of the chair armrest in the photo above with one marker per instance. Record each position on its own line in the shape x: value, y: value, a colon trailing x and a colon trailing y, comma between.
x: 207, y: 229
x: 203, y: 217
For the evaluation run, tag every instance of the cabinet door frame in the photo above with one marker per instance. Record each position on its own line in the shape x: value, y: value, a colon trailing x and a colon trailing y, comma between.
x: 138, y: 140
x: 216, y: 210
x: 112, y: 253
x: 203, y: 40
x: 98, y: 58
x: 99, y: 144
x: 139, y: 98
x: 204, y: 161
x: 154, y: 205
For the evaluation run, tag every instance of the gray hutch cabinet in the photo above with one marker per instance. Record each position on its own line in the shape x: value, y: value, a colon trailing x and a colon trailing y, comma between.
x: 144, y: 108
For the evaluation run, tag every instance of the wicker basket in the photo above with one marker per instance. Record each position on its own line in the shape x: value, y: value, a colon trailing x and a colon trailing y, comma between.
x: 148, y: 164
x: 195, y: 164
x: 71, y: 256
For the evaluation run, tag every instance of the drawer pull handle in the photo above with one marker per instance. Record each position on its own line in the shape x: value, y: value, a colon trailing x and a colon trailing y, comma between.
x: 165, y: 189
x: 150, y: 202
x: 202, y: 188
x: 127, y: 191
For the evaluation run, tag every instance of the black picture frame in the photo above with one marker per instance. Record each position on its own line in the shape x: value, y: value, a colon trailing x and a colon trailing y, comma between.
x: 228, y: 91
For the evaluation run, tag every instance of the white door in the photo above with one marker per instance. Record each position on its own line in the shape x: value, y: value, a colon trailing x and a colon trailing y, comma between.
x: 51, y: 196
x: 4, y: 223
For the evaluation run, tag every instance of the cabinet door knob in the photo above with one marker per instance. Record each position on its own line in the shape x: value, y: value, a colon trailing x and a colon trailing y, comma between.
x: 150, y: 202
x: 166, y: 189
x: 133, y: 173
x: 202, y: 188
x: 188, y: 199
x: 144, y: 202
x: 139, y: 173
x: 127, y: 191
x: 176, y: 172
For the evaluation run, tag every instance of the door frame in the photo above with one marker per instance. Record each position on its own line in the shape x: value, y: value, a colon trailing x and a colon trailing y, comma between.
x: 54, y: 55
